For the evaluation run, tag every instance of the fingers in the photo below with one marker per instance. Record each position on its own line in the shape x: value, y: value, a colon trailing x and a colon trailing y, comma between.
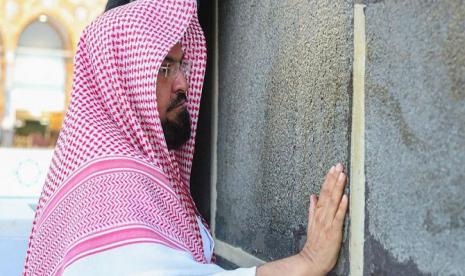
x: 332, y: 202
x: 336, y: 195
x: 341, y: 211
x: 311, y: 209
x: 330, y: 180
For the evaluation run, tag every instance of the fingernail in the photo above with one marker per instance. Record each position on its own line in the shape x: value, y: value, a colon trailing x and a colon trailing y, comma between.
x: 341, y: 176
x: 333, y: 168
x: 339, y: 167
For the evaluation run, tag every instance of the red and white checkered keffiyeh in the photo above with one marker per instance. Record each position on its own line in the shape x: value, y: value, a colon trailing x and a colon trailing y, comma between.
x: 112, y: 180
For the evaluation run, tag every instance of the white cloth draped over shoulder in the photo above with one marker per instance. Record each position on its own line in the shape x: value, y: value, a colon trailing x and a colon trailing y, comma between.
x: 113, y: 184
x: 149, y: 259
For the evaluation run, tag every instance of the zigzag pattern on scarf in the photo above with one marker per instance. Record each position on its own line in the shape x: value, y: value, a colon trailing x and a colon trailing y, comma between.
x: 110, y: 200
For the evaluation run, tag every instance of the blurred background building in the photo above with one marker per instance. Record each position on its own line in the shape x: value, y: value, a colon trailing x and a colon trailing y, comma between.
x: 38, y: 39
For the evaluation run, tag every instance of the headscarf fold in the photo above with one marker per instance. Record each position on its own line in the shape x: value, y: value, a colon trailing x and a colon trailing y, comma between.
x: 112, y: 180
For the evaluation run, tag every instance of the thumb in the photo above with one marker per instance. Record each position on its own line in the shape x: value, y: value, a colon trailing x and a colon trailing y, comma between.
x: 311, y: 209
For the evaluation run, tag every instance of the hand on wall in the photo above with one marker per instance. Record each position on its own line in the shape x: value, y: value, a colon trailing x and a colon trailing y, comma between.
x: 325, y: 222
x: 324, y: 233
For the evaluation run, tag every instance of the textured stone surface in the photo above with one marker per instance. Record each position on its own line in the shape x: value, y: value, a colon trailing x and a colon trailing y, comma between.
x: 415, y: 138
x: 284, y: 117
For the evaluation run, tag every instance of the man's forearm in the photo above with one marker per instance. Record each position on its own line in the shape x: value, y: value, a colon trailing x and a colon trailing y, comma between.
x: 295, y: 265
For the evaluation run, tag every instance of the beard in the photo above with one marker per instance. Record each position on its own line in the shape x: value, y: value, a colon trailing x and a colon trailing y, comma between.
x: 178, y: 130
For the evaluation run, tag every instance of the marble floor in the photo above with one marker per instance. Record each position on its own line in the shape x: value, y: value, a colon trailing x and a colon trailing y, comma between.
x: 16, y: 215
x: 22, y: 174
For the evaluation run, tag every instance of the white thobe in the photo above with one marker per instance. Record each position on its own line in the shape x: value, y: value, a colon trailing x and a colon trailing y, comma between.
x: 150, y: 259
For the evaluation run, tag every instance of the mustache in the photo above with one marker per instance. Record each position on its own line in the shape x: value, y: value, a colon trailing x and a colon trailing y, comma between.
x: 180, y: 97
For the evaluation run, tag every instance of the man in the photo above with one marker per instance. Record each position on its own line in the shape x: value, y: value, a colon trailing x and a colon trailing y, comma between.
x: 116, y: 200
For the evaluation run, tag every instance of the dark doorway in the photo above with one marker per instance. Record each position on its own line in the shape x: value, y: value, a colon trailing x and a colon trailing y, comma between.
x: 201, y: 167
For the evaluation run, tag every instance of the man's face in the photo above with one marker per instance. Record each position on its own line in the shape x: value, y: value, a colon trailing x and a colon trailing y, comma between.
x: 172, y: 101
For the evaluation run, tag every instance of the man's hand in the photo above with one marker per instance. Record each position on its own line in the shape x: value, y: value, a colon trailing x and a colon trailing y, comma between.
x: 324, y: 234
x: 326, y: 219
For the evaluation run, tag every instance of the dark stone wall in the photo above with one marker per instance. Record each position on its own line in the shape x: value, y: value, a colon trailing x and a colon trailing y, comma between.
x: 415, y: 138
x: 284, y: 117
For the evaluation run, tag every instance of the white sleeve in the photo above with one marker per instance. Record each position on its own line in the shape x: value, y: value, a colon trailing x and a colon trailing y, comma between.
x: 147, y: 259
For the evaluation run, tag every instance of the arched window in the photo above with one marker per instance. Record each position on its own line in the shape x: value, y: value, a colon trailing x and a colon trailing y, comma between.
x: 34, y: 105
x: 36, y: 97
x: 2, y: 78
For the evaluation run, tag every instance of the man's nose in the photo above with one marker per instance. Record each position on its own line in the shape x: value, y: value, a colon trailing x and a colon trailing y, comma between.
x: 181, y: 82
